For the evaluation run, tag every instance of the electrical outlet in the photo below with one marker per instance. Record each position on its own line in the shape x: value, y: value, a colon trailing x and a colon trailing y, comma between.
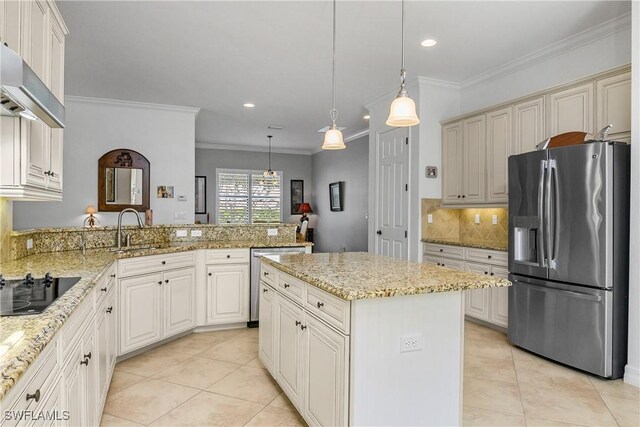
x: 477, y: 219
x: 180, y: 215
x: 494, y: 219
x: 429, y: 219
x: 29, y: 244
x: 411, y: 343
x: 181, y: 233
x: 196, y: 233
x: 272, y: 231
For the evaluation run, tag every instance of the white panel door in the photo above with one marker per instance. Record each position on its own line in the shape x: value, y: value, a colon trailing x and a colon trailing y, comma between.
x: 179, y: 300
x: 288, y: 369
x: 140, y: 321
x: 326, y: 373
x: 571, y: 110
x: 227, y: 293
x: 500, y: 299
x: 477, y: 300
x: 613, y: 106
x: 528, y: 125
x: 452, y: 163
x: 499, y: 135
x: 473, y: 135
x: 266, y: 345
x: 393, y: 202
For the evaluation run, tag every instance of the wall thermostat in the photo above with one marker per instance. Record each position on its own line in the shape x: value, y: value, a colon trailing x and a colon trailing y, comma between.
x: 431, y: 171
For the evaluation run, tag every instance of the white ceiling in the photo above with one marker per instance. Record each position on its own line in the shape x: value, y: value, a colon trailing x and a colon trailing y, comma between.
x: 217, y: 55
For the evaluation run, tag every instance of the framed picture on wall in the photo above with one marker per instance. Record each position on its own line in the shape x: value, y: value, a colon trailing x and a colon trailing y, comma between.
x: 336, y: 190
x: 297, y: 194
x: 201, y: 195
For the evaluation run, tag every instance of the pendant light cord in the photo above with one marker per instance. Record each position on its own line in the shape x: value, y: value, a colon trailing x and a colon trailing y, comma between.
x: 334, y: 112
x: 403, y: 73
x: 269, y: 152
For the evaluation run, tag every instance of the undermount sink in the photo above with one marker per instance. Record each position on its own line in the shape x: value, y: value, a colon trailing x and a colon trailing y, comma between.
x: 132, y: 248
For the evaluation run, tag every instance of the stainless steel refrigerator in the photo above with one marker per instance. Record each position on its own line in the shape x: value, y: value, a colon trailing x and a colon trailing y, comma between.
x: 569, y: 254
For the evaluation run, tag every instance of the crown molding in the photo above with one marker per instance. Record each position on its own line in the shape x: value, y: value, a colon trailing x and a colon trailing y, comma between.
x: 236, y: 147
x: 132, y: 104
x: 413, y: 83
x: 357, y: 135
x: 606, y: 28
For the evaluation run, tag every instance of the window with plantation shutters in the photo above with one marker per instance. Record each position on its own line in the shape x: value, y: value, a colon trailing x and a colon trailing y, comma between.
x: 248, y: 197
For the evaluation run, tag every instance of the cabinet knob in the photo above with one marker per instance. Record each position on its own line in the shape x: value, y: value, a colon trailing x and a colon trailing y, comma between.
x: 103, y: 289
x: 228, y: 256
x: 160, y: 282
x: 489, y: 256
x: 265, y: 290
x: 113, y: 275
x: 35, y: 396
x: 441, y: 250
x: 266, y: 273
x: 443, y: 265
x: 286, y: 285
x: 458, y: 196
x: 486, y: 272
x: 87, y: 356
x: 438, y: 263
x: 210, y: 274
x: 85, y: 362
x: 164, y: 262
x: 166, y: 281
x: 463, y: 196
x: 379, y: 232
x: 298, y: 323
x: 109, y: 310
x: 491, y: 274
x: 302, y: 327
x: 320, y: 304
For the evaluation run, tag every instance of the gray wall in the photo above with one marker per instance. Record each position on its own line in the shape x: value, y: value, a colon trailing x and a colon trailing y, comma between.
x: 293, y: 166
x: 346, y: 230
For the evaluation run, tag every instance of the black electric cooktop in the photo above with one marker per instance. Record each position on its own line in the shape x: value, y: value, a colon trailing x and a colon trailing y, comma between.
x: 31, y: 295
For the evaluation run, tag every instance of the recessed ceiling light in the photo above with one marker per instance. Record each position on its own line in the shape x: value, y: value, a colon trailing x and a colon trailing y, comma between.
x: 367, y: 117
x: 428, y: 43
x: 275, y: 127
x: 248, y: 105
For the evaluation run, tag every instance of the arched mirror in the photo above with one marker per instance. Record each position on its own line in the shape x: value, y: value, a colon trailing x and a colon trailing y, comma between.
x: 123, y: 181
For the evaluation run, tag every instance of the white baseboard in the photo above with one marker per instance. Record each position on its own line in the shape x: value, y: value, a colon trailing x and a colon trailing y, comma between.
x: 632, y: 375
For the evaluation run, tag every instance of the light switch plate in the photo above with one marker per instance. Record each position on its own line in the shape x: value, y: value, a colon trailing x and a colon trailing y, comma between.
x: 182, y: 198
x: 477, y: 219
x: 179, y: 215
x: 429, y: 219
x: 181, y: 233
x: 272, y: 231
x: 196, y: 233
x: 29, y: 244
x: 494, y: 219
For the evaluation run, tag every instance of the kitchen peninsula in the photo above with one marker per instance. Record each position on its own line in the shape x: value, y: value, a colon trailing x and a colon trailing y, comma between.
x: 360, y: 339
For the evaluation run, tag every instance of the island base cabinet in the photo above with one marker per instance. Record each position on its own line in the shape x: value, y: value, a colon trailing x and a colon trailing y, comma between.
x: 266, y: 334
x: 326, y: 373
x: 288, y: 370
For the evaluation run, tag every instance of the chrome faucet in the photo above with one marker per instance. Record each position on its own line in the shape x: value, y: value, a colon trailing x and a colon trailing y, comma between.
x: 119, y: 232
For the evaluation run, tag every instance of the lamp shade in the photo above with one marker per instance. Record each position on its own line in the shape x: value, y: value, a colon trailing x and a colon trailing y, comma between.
x: 91, y: 210
x: 333, y: 140
x: 402, y: 112
x: 304, y: 208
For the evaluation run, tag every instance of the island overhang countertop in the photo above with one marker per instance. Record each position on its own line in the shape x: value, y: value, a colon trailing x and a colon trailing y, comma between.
x: 361, y: 275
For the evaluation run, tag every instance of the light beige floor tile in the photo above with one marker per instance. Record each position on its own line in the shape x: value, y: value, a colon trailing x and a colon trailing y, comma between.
x: 122, y: 380
x: 487, y: 347
x: 248, y: 334
x: 147, y: 400
x: 282, y: 401
x: 622, y: 400
x: 496, y: 368
x: 189, y: 345
x: 276, y: 417
x: 252, y: 384
x: 256, y: 363
x: 540, y: 422
x: 224, y: 333
x: 233, y: 350
x: 492, y: 395
x: 111, y: 421
x: 197, y: 372
x: 487, y: 417
x: 210, y: 409
x: 148, y: 364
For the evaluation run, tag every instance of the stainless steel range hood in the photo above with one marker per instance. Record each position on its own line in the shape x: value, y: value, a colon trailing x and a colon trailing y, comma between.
x: 23, y: 93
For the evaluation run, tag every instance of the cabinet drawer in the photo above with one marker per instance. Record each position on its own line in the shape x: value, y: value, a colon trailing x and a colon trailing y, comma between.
x: 333, y: 310
x: 41, y: 383
x: 72, y: 330
x: 227, y: 256
x: 155, y: 263
x: 487, y: 256
x: 444, y: 250
x: 106, y: 283
x: 291, y: 287
x: 269, y: 274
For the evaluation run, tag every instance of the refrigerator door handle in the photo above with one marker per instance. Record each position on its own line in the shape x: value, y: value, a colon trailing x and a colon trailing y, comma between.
x: 541, y: 213
x: 547, y: 213
x: 553, y: 175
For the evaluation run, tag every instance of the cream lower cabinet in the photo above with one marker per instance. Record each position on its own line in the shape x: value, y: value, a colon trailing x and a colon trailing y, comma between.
x: 227, y: 289
x: 266, y: 334
x: 179, y: 300
x: 107, y: 350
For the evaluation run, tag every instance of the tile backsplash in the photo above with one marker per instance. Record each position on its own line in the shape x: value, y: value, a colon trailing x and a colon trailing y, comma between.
x: 459, y: 224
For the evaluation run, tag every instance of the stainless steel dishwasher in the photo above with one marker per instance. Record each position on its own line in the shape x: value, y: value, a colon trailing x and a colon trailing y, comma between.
x: 256, y: 253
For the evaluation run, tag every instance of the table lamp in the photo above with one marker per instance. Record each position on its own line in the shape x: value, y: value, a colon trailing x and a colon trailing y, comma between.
x: 91, y: 220
x: 304, y: 209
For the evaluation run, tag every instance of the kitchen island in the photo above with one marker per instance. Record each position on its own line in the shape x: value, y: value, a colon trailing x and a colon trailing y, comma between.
x: 359, y: 339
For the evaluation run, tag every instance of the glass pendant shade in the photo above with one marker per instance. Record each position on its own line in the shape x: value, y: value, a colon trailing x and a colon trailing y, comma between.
x: 403, y: 112
x: 333, y: 139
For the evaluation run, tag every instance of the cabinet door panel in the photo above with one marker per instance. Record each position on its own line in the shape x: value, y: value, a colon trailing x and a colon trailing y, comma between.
x: 500, y: 299
x: 477, y: 300
x: 571, y: 110
x: 140, y: 323
x: 227, y: 293
x: 268, y: 301
x: 90, y: 377
x: 452, y: 163
x: 11, y: 24
x: 326, y: 374
x: 35, y: 41
x: 73, y: 392
x: 528, y: 125
x: 474, y: 159
x: 35, y: 137
x: 288, y: 367
x: 179, y: 301
x: 499, y: 143
x: 102, y: 350
x: 453, y: 264
x: 613, y: 106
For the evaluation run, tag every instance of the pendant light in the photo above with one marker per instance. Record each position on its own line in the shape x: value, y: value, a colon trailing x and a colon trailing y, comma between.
x: 269, y: 172
x: 403, y: 110
x: 333, y: 137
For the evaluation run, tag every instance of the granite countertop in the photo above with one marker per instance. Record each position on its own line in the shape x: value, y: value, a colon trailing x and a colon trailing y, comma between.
x: 492, y: 245
x: 22, y: 338
x: 360, y: 275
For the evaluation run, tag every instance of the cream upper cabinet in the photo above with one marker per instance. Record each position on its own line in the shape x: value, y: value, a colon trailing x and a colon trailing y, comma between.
x: 31, y: 161
x: 499, y: 135
x: 571, y: 110
x: 528, y: 124
x: 452, y: 163
x: 613, y: 106
x: 473, y: 135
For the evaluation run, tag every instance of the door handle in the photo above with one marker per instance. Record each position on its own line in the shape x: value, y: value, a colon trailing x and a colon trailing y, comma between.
x: 541, y: 212
x: 556, y: 212
x: 379, y: 232
x: 547, y: 211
